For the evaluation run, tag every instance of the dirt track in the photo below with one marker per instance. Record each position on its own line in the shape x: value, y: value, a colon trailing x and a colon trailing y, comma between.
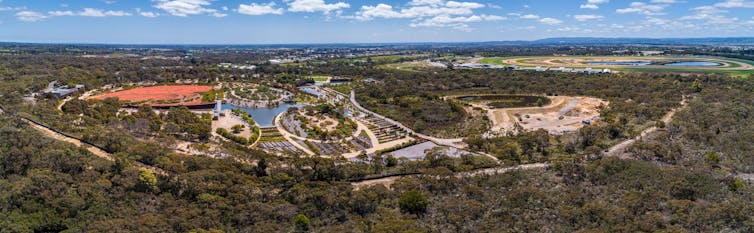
x: 620, y: 148
x: 617, y: 150
x: 94, y: 150
x: 573, y: 110
x: 489, y: 171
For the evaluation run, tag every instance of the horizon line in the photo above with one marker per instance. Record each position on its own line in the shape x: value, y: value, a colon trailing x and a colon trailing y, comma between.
x: 368, y: 43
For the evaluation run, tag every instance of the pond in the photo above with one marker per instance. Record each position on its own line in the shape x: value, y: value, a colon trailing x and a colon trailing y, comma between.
x: 264, y: 116
x: 620, y: 63
x: 693, y: 63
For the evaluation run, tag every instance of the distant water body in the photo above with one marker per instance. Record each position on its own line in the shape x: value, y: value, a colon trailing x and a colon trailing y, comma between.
x: 264, y: 116
x: 693, y: 63
x: 620, y: 63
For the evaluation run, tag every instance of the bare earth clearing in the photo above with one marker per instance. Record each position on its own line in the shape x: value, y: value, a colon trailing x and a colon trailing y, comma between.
x: 573, y: 110
x: 228, y: 121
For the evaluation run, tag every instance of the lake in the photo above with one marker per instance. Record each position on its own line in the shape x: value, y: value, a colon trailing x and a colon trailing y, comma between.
x: 620, y: 63
x: 264, y: 116
x: 693, y: 63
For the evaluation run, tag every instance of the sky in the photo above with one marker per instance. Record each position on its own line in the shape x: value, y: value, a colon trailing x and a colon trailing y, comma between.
x: 364, y: 21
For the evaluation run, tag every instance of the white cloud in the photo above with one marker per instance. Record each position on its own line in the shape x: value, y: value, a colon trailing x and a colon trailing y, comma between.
x: 100, y: 13
x: 459, y: 23
x: 89, y: 12
x: 735, y: 4
x: 546, y: 20
x: 379, y: 11
x: 426, y: 2
x: 643, y: 8
x: 183, y: 8
x: 587, y: 17
x: 259, y: 9
x: 710, y: 14
x: 529, y: 16
x: 61, y: 13
x: 147, y: 14
x: 574, y: 30
x: 418, y: 9
x: 30, y: 16
x: 429, y: 13
x: 592, y: 4
x: 550, y: 21
x: 316, y: 6
x: 7, y: 8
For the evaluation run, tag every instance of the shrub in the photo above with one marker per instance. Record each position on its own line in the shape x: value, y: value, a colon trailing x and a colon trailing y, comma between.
x: 413, y: 202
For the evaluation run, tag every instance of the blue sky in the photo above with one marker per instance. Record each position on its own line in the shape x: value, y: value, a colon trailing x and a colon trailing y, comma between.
x: 337, y: 21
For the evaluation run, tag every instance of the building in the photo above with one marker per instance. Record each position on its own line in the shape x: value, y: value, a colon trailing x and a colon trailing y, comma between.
x: 651, y: 53
x: 63, y: 91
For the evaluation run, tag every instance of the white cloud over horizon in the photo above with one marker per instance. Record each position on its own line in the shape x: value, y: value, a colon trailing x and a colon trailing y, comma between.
x: 259, y: 9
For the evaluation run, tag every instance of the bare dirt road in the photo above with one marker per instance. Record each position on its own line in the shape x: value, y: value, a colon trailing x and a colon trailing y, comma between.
x: 57, y: 136
x: 620, y: 148
x: 489, y: 171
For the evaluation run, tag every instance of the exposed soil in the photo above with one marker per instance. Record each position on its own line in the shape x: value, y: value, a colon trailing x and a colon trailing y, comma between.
x: 175, y: 94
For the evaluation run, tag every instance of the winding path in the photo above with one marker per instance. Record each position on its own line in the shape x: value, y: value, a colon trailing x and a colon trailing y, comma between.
x: 620, y: 148
x: 440, y: 141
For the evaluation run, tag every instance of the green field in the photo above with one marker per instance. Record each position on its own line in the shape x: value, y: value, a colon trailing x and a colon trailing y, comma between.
x: 733, y: 67
x: 320, y: 78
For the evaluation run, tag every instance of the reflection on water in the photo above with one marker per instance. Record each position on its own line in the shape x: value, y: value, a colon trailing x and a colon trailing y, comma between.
x: 693, y: 63
x: 621, y: 63
x: 264, y: 116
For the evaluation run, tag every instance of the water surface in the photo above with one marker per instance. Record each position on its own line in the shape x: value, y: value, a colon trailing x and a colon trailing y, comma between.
x: 264, y: 116
x: 620, y: 63
x: 693, y: 63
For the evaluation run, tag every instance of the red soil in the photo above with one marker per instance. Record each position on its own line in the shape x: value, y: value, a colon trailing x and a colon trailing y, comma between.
x: 185, y: 94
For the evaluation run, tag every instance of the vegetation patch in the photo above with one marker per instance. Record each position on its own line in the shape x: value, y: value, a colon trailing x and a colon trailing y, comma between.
x: 507, y: 101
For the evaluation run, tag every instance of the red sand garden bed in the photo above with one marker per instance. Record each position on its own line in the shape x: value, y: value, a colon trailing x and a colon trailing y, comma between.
x: 174, y: 95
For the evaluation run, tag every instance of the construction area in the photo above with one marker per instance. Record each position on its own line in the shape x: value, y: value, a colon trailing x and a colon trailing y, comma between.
x: 562, y: 115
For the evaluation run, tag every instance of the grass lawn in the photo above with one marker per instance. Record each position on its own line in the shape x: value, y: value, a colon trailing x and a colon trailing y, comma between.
x: 320, y: 78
